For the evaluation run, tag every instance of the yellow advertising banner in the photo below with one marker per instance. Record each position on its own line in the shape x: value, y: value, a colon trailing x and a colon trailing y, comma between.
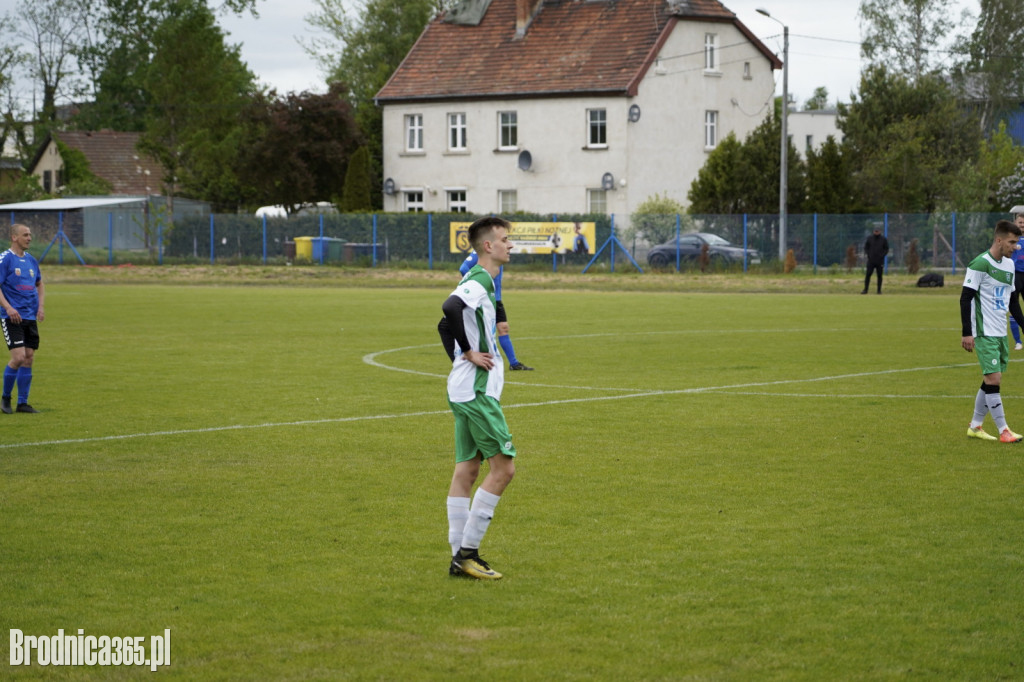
x: 536, y: 237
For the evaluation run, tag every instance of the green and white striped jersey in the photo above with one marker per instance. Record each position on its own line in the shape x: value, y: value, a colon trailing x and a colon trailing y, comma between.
x: 466, y: 379
x: 992, y: 281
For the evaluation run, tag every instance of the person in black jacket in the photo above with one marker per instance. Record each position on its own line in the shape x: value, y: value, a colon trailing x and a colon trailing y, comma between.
x: 875, y: 248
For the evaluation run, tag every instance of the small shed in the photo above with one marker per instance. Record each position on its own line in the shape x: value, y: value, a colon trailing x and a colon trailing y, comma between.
x: 126, y: 223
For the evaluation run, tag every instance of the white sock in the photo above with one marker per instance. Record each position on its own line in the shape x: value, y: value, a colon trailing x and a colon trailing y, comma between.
x: 480, y: 516
x: 980, y: 409
x: 995, y: 407
x: 458, y: 514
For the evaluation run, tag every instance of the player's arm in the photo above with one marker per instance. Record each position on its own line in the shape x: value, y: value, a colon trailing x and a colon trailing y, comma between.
x: 41, y: 292
x: 12, y: 312
x: 967, y: 340
x: 452, y: 309
x: 1015, y: 310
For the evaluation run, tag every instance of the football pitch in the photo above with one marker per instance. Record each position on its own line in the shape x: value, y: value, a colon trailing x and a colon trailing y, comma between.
x: 709, y: 487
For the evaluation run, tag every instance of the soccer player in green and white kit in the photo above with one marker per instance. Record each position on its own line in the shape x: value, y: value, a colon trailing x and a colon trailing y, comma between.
x: 984, y: 301
x: 474, y: 389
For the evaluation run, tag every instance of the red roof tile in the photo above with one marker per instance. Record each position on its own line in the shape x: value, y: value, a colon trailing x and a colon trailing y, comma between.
x: 571, y: 47
x: 113, y: 157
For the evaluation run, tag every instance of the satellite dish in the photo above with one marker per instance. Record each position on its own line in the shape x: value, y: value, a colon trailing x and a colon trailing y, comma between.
x: 607, y: 181
x: 525, y: 160
x: 634, y: 113
x: 389, y: 186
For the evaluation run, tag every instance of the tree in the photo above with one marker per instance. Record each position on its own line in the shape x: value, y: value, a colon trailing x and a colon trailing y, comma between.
x: 829, y: 186
x: 975, y: 186
x: 993, y: 67
x: 717, y: 187
x: 11, y: 58
x: 904, y: 34
x: 115, y: 51
x: 655, y: 219
x: 744, y: 178
x: 819, y: 100
x: 52, y: 30
x: 199, y: 88
x: 355, y: 195
x: 364, y: 52
x: 905, y: 140
x: 79, y: 180
x: 297, y: 148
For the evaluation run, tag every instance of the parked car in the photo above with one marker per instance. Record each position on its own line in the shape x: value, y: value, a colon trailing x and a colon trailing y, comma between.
x: 719, y: 250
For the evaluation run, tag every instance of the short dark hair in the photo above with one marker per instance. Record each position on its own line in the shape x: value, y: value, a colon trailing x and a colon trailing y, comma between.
x: 479, y: 229
x: 1005, y: 227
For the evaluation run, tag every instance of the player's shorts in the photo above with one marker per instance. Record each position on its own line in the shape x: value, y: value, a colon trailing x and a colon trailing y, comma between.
x: 993, y: 353
x: 499, y: 312
x: 23, y: 335
x: 480, y: 429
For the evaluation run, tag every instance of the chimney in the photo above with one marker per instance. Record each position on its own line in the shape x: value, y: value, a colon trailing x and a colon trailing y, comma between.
x: 525, y: 11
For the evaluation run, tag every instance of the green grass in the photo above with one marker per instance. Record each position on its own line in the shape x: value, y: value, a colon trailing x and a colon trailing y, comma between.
x: 709, y: 487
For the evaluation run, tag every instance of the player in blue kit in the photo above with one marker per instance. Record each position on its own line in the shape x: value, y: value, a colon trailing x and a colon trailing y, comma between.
x: 21, y: 300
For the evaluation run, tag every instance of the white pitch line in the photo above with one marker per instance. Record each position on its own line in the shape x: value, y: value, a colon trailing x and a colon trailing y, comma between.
x: 546, y: 403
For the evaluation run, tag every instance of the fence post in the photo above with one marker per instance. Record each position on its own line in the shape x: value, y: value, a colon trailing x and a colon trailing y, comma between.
x: 374, y: 240
x: 952, y: 258
x: 815, y: 243
x: 679, y: 225
x: 211, y: 240
x: 554, y: 252
x: 745, y: 256
x: 110, y: 238
x: 885, y: 266
x: 430, y: 241
x: 321, y: 239
x: 264, y: 238
x: 160, y: 244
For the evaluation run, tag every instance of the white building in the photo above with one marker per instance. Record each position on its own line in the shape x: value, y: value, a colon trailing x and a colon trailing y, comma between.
x: 555, y: 106
x: 810, y: 128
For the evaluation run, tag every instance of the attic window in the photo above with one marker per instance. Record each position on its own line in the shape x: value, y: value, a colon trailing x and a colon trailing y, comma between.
x: 710, y: 51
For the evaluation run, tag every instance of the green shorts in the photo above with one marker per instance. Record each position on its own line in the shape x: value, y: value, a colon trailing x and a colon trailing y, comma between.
x: 480, y: 429
x: 993, y: 353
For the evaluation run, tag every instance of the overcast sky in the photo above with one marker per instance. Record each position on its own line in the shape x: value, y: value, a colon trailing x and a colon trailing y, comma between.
x: 823, y: 43
x: 823, y: 49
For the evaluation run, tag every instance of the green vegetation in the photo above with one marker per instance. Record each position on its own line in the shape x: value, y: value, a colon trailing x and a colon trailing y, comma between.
x: 725, y: 487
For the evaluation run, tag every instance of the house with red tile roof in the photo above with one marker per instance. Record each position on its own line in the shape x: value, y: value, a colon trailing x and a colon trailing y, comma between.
x: 112, y: 156
x: 559, y: 106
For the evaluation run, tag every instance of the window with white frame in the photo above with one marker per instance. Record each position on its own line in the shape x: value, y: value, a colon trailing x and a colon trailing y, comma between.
x: 809, y: 143
x: 508, y: 130
x: 414, y: 201
x: 457, y: 132
x: 457, y: 201
x: 508, y: 201
x: 710, y: 129
x: 597, y: 128
x: 710, y: 51
x: 597, y: 201
x: 414, y: 133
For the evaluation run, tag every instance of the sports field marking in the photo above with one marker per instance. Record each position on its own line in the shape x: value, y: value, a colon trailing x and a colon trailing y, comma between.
x: 545, y: 403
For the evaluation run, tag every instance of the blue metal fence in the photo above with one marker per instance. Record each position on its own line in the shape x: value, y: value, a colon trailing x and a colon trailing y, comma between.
x: 940, y: 241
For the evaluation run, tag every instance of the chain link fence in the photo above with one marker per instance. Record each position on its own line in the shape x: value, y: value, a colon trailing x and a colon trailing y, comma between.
x: 938, y: 241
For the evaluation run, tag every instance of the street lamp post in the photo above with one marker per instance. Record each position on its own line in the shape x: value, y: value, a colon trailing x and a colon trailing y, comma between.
x: 784, y: 159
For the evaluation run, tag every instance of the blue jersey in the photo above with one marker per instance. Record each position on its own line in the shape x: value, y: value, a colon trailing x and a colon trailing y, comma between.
x: 19, y: 276
x: 470, y: 261
x: 1018, y: 260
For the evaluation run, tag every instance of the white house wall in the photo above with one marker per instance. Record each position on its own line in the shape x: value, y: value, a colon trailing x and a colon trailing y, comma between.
x: 660, y: 153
